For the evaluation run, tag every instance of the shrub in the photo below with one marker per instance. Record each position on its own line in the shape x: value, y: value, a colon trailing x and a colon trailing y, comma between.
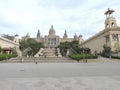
x: 115, y: 57
x: 7, y: 56
x: 82, y: 56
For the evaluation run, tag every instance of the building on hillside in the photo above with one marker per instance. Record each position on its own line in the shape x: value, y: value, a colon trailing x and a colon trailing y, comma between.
x: 52, y: 40
x: 110, y: 36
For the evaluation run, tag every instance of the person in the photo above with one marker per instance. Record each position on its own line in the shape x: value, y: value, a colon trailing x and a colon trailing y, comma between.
x: 21, y: 60
x: 36, y: 62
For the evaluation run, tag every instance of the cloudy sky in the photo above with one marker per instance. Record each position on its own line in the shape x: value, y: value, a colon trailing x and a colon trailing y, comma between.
x: 84, y: 17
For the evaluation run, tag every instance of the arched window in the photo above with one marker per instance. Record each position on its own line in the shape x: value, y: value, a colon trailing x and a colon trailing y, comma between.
x: 115, y: 37
x: 112, y: 24
x: 107, y: 25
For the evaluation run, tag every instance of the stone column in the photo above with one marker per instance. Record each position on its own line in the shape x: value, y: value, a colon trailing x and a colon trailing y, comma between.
x: 8, y: 52
x: 119, y: 41
x: 111, y: 42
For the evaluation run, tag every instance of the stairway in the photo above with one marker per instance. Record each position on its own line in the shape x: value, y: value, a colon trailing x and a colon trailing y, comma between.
x: 40, y: 60
x: 49, y: 52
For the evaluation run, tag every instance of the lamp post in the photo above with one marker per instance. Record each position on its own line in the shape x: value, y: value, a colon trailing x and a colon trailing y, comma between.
x: 83, y: 53
x: 85, y: 60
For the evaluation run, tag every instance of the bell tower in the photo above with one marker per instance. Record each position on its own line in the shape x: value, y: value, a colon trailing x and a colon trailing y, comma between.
x: 110, y: 20
x: 65, y: 35
x: 38, y: 34
x: 16, y: 40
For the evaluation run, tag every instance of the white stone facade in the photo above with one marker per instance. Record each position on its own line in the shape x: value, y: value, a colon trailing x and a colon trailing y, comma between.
x: 110, y: 36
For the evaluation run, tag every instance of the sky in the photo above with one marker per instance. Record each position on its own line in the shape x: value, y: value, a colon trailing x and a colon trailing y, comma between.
x: 85, y: 17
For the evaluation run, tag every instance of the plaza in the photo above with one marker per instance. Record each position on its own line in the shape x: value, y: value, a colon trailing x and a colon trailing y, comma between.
x: 48, y: 69
x: 60, y: 76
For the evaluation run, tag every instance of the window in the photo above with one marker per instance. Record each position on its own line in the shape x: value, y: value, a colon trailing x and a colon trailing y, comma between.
x: 107, y: 38
x: 115, y: 37
x: 54, y: 39
x: 113, y: 24
x: 107, y: 25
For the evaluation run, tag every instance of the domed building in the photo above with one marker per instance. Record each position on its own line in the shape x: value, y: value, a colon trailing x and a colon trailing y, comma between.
x: 52, y: 40
x: 52, y: 31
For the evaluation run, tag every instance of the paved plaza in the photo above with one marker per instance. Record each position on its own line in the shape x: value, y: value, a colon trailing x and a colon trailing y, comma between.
x: 60, y: 76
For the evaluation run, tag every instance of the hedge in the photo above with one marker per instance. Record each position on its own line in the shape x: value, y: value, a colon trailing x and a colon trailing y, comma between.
x: 7, y: 56
x: 82, y: 56
x: 115, y: 57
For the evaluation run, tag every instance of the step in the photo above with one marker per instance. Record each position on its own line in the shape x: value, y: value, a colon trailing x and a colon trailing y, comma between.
x: 39, y: 59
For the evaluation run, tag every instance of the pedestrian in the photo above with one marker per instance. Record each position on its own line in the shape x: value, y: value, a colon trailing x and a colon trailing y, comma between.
x: 36, y: 63
x: 22, y: 60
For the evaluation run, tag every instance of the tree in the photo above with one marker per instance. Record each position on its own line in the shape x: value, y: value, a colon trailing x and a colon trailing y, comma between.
x: 24, y: 45
x: 106, y: 50
x: 0, y: 49
x: 63, y: 47
x: 31, y: 45
x: 74, y: 46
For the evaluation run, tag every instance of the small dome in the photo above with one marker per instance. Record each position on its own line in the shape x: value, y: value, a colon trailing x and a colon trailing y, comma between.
x: 16, y: 35
x: 52, y: 31
x: 80, y: 35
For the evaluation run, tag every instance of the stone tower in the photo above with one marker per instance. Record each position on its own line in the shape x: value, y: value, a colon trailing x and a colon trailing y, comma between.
x: 80, y: 39
x: 75, y: 37
x: 38, y: 34
x: 65, y: 35
x: 112, y: 36
x: 16, y: 40
x: 110, y: 20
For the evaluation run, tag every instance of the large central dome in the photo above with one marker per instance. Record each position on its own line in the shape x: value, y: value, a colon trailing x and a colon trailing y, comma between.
x: 52, y: 31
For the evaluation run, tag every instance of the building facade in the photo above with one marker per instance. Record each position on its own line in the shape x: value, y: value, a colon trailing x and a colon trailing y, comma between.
x: 8, y: 45
x: 110, y: 36
x: 52, y: 40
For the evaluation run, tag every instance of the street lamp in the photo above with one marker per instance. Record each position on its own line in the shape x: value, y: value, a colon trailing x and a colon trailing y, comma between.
x: 84, y: 55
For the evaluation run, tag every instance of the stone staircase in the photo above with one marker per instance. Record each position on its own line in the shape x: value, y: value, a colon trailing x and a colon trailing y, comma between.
x: 40, y: 60
x: 50, y: 52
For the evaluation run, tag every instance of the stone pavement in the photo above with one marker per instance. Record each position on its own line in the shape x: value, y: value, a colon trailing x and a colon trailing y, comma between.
x: 74, y: 83
x: 60, y: 76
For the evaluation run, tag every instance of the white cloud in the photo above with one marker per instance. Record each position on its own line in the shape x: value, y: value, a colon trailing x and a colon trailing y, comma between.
x: 80, y: 17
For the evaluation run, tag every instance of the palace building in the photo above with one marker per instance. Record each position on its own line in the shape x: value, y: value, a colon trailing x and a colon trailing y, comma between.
x: 52, y: 40
x: 109, y: 36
